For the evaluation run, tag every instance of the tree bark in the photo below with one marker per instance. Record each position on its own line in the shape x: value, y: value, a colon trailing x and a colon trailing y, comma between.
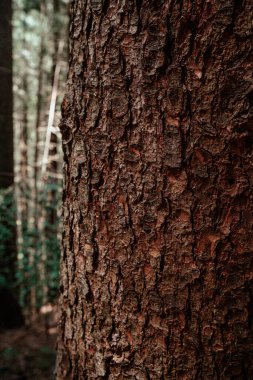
x: 156, y: 279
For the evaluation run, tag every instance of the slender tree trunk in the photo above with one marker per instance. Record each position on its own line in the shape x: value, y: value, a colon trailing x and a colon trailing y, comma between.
x: 57, y: 33
x: 21, y: 144
x: 6, y: 141
x: 51, y: 169
x: 156, y: 279
x: 10, y: 313
x: 38, y: 269
x: 23, y: 138
x: 23, y: 191
x: 6, y: 103
x: 52, y: 162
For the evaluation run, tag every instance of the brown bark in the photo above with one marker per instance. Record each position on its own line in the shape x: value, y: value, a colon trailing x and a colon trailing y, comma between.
x: 156, y: 279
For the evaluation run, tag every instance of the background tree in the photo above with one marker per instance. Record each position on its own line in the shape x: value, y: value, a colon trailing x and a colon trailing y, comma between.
x: 10, y: 314
x: 6, y: 150
x: 6, y: 128
x: 157, y: 244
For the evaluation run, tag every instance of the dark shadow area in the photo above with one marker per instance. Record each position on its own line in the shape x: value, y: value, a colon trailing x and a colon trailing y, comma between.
x: 28, y: 353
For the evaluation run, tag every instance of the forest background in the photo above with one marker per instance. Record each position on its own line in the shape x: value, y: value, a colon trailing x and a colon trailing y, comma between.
x: 33, y: 65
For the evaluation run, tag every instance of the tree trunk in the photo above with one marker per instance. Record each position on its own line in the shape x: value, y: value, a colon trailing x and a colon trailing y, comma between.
x: 35, y: 262
x: 10, y: 314
x: 158, y: 202
x: 6, y: 102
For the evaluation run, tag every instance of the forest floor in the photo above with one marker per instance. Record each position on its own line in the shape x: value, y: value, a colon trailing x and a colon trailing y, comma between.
x: 28, y: 353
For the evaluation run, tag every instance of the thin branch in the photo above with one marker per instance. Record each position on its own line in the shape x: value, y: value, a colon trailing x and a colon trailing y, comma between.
x: 50, y: 127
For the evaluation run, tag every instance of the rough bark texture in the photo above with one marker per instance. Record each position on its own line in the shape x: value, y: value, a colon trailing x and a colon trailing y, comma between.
x: 158, y: 203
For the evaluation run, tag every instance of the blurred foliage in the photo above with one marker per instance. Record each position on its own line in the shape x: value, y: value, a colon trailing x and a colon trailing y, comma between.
x: 7, y: 235
x: 45, y: 245
x: 32, y: 4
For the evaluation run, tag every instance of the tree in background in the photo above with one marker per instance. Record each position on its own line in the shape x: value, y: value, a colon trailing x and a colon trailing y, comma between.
x: 156, y: 279
x: 6, y: 123
x: 10, y: 314
x: 6, y: 104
